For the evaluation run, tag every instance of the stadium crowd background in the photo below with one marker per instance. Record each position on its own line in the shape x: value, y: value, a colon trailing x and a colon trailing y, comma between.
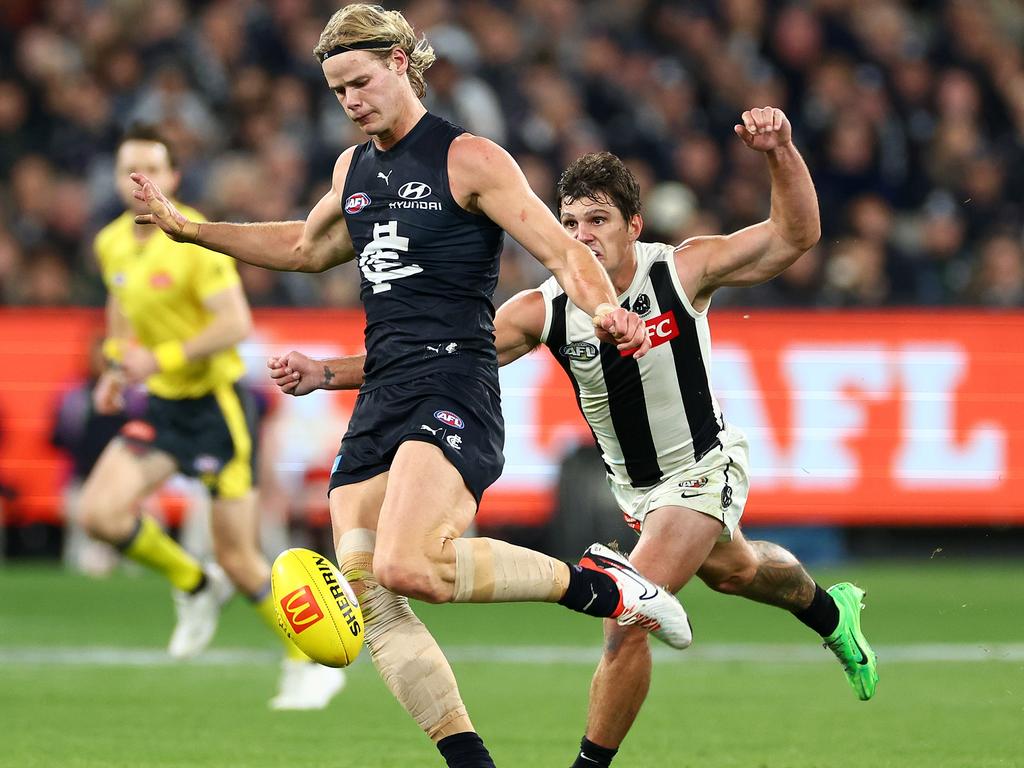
x: 911, y: 115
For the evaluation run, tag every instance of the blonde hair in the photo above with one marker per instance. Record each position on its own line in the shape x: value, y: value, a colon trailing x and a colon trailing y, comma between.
x: 362, y: 22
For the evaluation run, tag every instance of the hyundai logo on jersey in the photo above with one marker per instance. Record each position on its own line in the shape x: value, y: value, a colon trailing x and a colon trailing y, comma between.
x: 449, y: 418
x: 356, y: 202
x: 414, y: 190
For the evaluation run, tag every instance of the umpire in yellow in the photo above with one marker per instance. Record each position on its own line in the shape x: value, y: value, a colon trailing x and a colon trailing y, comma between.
x: 175, y: 313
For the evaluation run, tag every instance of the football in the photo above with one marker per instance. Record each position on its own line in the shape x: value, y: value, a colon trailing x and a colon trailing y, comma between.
x: 316, y: 607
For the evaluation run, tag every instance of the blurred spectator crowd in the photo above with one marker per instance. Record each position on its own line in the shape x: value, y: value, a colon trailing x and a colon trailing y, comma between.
x: 910, y: 115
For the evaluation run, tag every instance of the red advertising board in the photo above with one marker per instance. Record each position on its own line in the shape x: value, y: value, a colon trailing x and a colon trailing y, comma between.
x: 895, y: 418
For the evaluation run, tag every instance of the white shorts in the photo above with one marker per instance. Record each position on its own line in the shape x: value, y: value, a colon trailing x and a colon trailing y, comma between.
x: 717, y: 486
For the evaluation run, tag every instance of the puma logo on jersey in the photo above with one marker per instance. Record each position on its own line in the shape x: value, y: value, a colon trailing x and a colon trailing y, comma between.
x: 385, y: 176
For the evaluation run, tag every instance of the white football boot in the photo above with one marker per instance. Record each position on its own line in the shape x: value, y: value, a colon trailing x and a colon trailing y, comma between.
x: 198, y: 614
x: 641, y: 602
x: 307, y: 685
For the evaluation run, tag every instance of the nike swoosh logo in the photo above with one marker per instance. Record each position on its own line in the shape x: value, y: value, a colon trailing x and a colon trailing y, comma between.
x: 647, y: 595
x: 863, y: 656
x: 588, y: 759
x: 688, y: 495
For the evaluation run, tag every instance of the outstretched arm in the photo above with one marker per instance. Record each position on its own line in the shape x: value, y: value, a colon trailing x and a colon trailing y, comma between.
x: 314, y: 245
x: 759, y: 252
x: 484, y: 178
x: 518, y: 325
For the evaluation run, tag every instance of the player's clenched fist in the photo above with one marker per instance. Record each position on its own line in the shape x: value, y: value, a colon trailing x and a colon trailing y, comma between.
x: 764, y: 129
x: 622, y: 328
x: 162, y: 211
x: 296, y: 374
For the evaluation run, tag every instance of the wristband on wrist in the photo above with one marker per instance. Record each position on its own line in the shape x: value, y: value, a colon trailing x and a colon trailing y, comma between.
x: 113, y: 351
x: 170, y: 356
x: 600, y: 311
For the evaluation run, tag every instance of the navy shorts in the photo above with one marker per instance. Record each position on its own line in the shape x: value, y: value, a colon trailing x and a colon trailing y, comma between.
x: 460, y: 415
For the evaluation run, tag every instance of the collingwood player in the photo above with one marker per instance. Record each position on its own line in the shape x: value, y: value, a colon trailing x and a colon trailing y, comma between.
x: 677, y: 469
x: 422, y: 205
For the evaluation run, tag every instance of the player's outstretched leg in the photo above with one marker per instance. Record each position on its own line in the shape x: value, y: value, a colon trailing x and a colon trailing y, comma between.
x: 767, y: 573
x: 421, y: 553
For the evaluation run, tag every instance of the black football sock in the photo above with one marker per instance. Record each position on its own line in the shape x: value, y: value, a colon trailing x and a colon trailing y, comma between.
x: 591, y: 592
x: 822, y: 615
x: 465, y: 750
x: 592, y: 755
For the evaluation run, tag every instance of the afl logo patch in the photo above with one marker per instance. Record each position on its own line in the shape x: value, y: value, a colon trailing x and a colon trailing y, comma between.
x: 449, y: 418
x: 579, y: 350
x: 414, y: 190
x: 357, y: 202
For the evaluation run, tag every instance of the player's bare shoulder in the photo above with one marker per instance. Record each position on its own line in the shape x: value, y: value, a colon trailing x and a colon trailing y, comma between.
x: 340, y: 173
x: 474, y: 165
x: 691, y: 258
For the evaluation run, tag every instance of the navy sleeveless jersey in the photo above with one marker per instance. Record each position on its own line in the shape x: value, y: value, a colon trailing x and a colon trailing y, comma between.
x: 428, y: 267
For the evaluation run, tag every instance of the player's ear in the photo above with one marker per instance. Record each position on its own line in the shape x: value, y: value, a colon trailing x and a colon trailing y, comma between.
x: 635, y: 227
x: 399, y: 61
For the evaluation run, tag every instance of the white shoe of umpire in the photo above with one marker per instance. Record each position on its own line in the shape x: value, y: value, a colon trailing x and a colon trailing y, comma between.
x: 307, y: 685
x: 198, y: 614
x: 641, y: 602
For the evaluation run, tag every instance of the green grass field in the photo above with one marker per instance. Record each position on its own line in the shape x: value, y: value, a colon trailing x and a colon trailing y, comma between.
x: 83, y: 682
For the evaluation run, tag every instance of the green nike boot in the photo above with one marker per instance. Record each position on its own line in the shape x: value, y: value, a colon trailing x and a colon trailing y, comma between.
x: 849, y: 645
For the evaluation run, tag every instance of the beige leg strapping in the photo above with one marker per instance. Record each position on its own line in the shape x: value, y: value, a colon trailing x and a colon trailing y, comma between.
x: 403, y: 650
x: 492, y: 571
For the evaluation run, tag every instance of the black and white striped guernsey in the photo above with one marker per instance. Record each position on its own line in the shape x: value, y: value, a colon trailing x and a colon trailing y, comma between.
x: 651, y: 417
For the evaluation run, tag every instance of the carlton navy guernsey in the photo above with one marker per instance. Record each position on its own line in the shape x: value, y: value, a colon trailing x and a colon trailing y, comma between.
x: 428, y: 268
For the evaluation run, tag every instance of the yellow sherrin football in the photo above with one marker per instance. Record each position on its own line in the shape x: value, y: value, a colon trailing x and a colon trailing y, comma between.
x: 316, y: 607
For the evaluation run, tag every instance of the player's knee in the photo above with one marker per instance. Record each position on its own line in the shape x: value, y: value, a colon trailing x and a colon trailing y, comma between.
x: 411, y: 577
x: 102, y: 518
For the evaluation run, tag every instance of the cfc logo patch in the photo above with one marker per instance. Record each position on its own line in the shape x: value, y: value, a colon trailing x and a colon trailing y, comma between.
x: 301, y: 609
x: 449, y: 418
x: 659, y: 329
x: 356, y: 202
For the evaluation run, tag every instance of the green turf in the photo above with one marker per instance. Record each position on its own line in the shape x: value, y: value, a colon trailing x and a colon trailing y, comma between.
x: 699, y: 713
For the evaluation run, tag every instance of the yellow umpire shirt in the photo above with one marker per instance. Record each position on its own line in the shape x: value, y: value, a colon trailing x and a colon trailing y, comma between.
x: 160, y: 286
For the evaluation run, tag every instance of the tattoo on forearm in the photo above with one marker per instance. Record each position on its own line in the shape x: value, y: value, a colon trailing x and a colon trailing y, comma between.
x: 780, y: 579
x: 328, y: 375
